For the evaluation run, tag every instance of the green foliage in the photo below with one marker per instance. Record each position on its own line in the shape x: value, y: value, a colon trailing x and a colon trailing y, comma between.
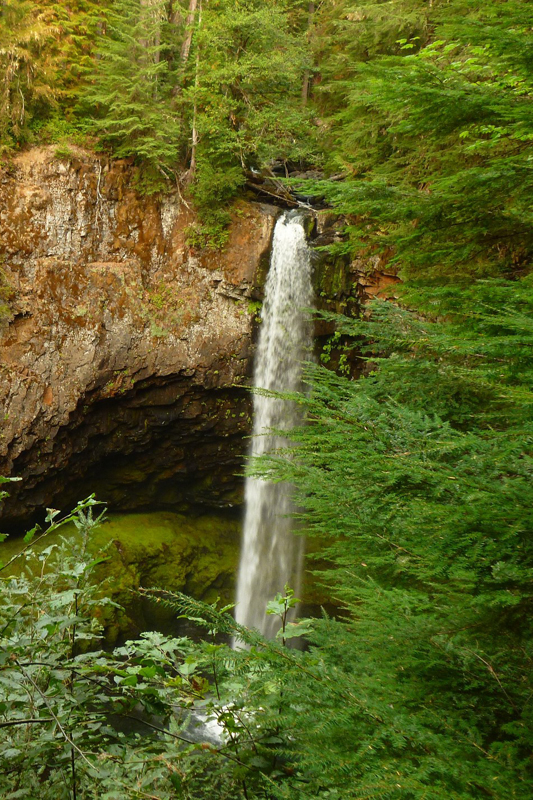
x: 254, y: 308
x: 418, y: 478
x: 43, y: 688
x: 57, y: 130
x: 347, y: 33
x: 213, y: 190
x: 244, y: 88
x: 255, y: 693
x: 27, y: 76
x: 77, y: 29
x: 46, y: 53
x: 131, y: 92
x: 436, y: 142
x: 66, y: 708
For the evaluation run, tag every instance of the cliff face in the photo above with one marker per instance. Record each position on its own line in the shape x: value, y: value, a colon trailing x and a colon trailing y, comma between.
x: 123, y: 348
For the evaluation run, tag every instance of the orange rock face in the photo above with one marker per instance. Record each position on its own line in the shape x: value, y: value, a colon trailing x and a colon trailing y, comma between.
x: 109, y: 302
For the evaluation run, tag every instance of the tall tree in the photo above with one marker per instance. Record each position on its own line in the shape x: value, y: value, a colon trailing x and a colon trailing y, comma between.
x: 131, y: 89
x: 186, y: 46
x: 245, y: 83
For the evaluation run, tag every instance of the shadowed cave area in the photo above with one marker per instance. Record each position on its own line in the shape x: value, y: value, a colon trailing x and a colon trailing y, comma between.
x: 169, y: 443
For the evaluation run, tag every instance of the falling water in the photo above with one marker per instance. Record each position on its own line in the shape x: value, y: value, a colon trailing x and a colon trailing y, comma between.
x: 271, y: 554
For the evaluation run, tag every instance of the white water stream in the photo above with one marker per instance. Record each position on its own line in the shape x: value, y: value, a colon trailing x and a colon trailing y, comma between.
x: 271, y: 555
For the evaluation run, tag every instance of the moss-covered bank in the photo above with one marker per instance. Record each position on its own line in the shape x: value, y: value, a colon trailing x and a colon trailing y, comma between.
x: 196, y: 555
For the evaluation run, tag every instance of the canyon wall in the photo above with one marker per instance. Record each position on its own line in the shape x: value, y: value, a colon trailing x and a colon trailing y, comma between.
x: 122, y: 349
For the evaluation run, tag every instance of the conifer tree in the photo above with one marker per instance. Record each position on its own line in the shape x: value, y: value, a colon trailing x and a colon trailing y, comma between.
x: 435, y: 141
x: 245, y: 84
x: 131, y: 89
x: 417, y: 479
x: 78, y: 27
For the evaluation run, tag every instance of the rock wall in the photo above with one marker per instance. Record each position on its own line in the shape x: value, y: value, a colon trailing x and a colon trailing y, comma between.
x: 122, y: 349
x: 344, y: 286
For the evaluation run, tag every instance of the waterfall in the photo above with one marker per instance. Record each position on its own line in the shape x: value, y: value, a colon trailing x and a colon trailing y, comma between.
x: 271, y: 555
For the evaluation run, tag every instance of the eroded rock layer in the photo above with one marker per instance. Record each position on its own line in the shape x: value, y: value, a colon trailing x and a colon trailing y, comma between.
x: 122, y: 349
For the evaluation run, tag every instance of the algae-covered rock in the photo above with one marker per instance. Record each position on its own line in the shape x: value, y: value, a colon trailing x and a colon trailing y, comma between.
x: 195, y: 555
x: 198, y: 556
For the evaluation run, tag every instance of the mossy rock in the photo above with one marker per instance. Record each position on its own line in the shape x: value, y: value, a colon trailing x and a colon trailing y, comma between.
x: 331, y: 276
x: 195, y: 555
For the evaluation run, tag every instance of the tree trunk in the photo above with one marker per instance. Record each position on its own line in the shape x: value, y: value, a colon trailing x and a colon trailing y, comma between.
x: 153, y: 17
x: 306, y: 85
x: 174, y: 15
x: 186, y: 46
x: 194, y: 143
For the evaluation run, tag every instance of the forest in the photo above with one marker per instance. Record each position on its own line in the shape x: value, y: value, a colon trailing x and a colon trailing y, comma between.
x: 413, y: 121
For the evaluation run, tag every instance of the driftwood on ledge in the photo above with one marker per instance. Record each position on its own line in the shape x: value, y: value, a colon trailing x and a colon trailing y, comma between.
x: 268, y: 185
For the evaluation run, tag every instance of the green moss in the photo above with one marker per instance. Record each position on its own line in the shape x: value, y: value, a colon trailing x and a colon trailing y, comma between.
x: 331, y: 276
x: 309, y: 223
x: 7, y: 293
x: 196, y: 555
